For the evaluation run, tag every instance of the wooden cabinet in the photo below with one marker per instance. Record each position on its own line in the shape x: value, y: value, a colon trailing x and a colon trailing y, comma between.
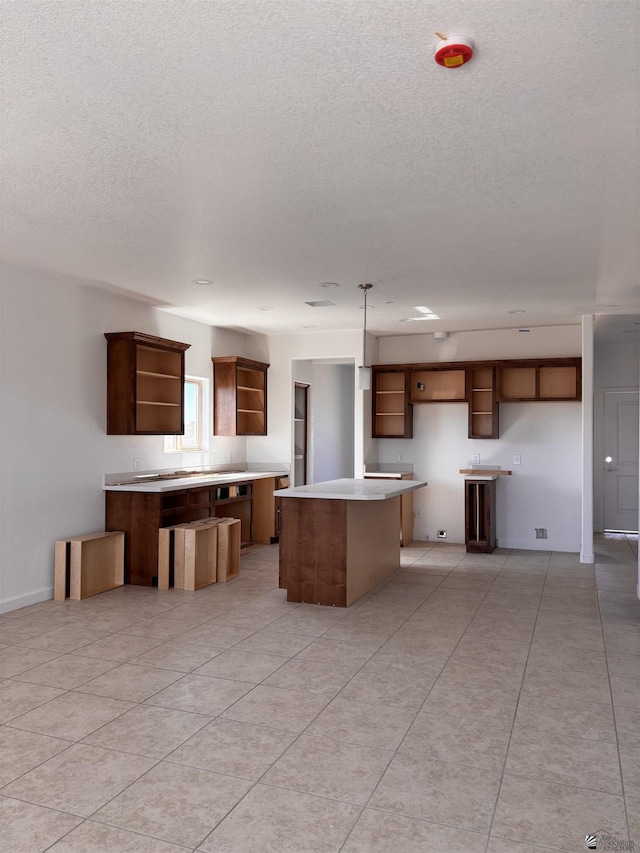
x: 145, y: 384
x: 438, y: 386
x: 239, y: 396
x: 406, y: 508
x: 483, y: 406
x: 266, y: 509
x: 480, y: 515
x: 140, y: 515
x: 392, y: 415
x: 559, y: 379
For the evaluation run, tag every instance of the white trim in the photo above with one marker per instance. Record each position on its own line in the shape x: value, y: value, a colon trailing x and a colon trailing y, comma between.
x: 17, y: 601
x: 586, y: 546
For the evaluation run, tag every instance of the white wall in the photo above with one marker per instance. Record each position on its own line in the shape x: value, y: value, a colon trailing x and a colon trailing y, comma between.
x: 332, y: 393
x: 544, y: 491
x: 53, y: 447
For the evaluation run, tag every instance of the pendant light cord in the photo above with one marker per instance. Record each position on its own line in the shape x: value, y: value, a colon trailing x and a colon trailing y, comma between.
x: 365, y: 288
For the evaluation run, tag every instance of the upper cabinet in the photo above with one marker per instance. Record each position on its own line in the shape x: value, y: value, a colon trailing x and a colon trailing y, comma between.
x: 558, y: 379
x: 480, y: 384
x: 145, y: 384
x: 392, y: 415
x: 239, y: 396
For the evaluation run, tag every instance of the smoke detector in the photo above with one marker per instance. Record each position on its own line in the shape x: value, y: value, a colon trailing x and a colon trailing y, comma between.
x: 454, y: 51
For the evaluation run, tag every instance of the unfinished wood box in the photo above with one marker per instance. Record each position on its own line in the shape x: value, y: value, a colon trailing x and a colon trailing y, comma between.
x: 192, y: 550
x: 88, y: 565
x: 229, y: 536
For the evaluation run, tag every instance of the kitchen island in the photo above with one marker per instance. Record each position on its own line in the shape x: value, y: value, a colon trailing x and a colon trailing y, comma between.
x: 339, y: 539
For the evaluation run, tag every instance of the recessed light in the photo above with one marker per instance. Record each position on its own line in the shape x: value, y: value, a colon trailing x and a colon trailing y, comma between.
x: 202, y: 281
x: 309, y: 326
x: 418, y: 319
x: 516, y: 311
x: 329, y: 284
x: 320, y: 303
x: 265, y: 307
x: 423, y: 309
x: 390, y: 302
x: 368, y: 306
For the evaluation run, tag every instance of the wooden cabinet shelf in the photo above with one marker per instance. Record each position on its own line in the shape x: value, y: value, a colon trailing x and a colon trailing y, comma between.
x: 559, y: 380
x: 438, y: 386
x: 239, y: 396
x: 483, y: 406
x: 392, y: 413
x: 145, y: 384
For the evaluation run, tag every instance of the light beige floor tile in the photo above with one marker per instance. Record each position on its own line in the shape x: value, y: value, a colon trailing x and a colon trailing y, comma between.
x: 388, y: 687
x: 566, y: 684
x: 27, y: 828
x: 148, y: 730
x: 16, y: 659
x: 330, y: 768
x: 237, y: 749
x: 488, y: 651
x: 625, y: 691
x: 22, y: 751
x: 177, y: 656
x: 201, y: 694
x: 365, y: 724
x: 273, y: 820
x: 497, y: 675
x: 433, y: 790
x: 506, y: 845
x: 583, y: 639
x: 270, y: 642
x: 630, y: 760
x: 175, y: 803
x: 131, y: 682
x: 346, y: 652
x: 18, y: 697
x: 457, y: 700
x: 242, y: 666
x: 92, y: 837
x: 217, y: 636
x: 556, y: 816
x: 80, y: 779
x: 161, y: 629
x: 71, y: 716
x: 633, y: 815
x: 118, y: 647
x: 16, y: 631
x: 564, y: 759
x: 291, y: 710
x: 378, y: 832
x: 549, y: 655
x: 63, y: 639
x: 66, y: 672
x: 311, y: 676
x: 311, y: 623
x: 476, y: 743
x: 628, y: 725
x: 563, y: 716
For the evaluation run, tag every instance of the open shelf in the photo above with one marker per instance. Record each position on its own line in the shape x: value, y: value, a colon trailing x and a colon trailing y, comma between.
x: 441, y: 386
x: 239, y: 396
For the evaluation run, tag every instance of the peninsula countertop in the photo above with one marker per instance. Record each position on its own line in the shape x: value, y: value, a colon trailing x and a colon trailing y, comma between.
x: 353, y: 490
x: 167, y: 483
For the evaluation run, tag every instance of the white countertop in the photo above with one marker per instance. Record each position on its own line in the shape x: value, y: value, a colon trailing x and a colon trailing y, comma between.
x: 353, y: 490
x: 193, y: 482
x: 481, y: 477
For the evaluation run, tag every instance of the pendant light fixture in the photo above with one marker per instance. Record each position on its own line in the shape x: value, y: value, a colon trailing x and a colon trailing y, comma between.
x: 364, y: 372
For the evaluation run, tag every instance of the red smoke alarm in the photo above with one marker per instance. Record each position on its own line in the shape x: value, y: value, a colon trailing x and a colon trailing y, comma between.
x: 454, y: 51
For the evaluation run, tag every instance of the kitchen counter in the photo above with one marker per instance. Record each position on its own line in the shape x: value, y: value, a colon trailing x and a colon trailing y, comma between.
x: 340, y: 540
x: 172, y: 481
x: 353, y: 490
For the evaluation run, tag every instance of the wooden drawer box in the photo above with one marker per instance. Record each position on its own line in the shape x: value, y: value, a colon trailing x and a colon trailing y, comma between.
x: 88, y: 565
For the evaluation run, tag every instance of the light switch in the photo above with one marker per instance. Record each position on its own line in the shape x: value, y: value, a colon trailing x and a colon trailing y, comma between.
x: 516, y: 459
x: 475, y: 458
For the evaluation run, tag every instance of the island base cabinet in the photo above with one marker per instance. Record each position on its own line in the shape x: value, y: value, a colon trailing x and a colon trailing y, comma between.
x: 334, y: 551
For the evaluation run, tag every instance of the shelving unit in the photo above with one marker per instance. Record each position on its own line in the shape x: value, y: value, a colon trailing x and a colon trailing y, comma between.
x: 239, y: 396
x: 483, y: 408
x: 145, y: 384
x: 539, y: 382
x: 480, y: 515
x: 392, y: 415
x: 300, y: 431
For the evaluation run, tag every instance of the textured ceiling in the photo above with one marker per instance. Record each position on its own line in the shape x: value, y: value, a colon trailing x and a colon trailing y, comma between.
x: 270, y: 146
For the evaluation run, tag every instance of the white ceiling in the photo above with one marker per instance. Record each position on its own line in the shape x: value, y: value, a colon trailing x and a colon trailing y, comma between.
x: 271, y: 145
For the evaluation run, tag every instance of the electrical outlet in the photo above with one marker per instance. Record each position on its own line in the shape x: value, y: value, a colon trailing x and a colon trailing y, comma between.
x: 417, y: 513
x: 541, y: 532
x: 517, y: 459
x: 400, y: 457
x: 475, y: 458
x: 136, y: 462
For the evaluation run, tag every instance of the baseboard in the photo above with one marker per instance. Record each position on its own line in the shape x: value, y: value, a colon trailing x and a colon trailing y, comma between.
x: 18, y: 601
x: 587, y: 557
x: 540, y: 545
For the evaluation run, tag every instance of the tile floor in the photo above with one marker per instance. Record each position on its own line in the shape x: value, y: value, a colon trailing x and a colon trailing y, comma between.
x: 470, y: 704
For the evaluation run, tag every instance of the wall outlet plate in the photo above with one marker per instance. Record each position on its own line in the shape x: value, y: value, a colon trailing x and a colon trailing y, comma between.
x: 475, y: 458
x: 442, y: 534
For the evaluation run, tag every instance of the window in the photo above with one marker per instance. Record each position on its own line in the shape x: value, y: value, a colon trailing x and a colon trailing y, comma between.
x: 196, y: 407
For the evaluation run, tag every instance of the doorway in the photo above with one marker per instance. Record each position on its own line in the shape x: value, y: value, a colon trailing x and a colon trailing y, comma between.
x: 620, y: 461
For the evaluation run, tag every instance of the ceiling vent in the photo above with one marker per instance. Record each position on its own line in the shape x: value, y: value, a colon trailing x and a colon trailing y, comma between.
x: 320, y: 303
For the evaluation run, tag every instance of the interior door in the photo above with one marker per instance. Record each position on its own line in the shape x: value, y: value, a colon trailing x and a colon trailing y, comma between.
x: 621, y: 460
